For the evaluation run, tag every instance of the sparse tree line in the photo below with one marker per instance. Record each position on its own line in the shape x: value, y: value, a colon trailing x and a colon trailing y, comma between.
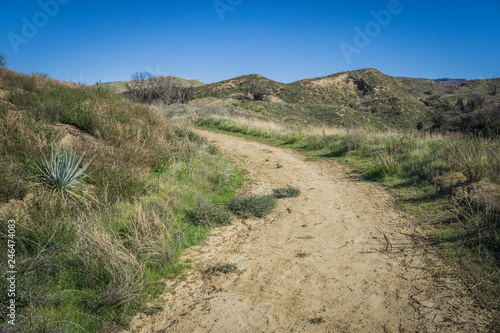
x: 145, y: 87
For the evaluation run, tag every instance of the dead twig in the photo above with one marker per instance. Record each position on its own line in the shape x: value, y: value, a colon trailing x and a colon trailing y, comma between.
x: 387, y: 241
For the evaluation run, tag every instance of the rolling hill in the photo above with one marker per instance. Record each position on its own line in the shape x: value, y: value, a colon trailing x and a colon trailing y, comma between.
x: 366, y: 98
x: 119, y: 87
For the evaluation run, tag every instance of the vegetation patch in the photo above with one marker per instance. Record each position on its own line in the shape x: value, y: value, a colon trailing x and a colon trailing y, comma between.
x: 207, y: 213
x: 252, y: 206
x: 286, y: 192
x: 220, y: 268
x: 317, y: 320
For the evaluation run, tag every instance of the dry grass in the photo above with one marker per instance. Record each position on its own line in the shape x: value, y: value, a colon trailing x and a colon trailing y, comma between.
x: 107, y: 263
x: 150, y: 237
x: 467, y: 156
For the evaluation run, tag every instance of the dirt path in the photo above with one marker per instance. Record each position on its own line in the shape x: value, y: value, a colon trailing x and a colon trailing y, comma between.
x: 347, y: 276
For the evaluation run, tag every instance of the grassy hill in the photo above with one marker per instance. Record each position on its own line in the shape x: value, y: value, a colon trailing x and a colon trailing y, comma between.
x: 90, y: 251
x: 119, y: 87
x: 363, y: 98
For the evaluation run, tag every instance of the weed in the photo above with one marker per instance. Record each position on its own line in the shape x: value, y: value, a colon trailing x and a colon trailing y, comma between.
x: 286, y: 192
x: 220, y: 268
x: 306, y: 237
x: 150, y: 311
x: 303, y: 255
x: 317, y: 320
x: 278, y: 165
x: 252, y: 206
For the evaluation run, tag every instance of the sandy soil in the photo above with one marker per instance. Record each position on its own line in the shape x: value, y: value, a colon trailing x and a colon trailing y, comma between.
x: 350, y: 277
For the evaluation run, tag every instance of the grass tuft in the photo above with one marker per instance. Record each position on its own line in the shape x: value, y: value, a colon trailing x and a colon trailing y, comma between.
x: 286, y: 192
x: 252, y: 206
x: 220, y: 268
x: 207, y: 213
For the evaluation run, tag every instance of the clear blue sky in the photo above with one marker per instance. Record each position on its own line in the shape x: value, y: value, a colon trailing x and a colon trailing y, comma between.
x: 87, y: 40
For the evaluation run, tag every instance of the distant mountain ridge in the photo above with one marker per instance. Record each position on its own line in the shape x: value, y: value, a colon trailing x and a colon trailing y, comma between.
x: 450, y: 81
x: 443, y: 80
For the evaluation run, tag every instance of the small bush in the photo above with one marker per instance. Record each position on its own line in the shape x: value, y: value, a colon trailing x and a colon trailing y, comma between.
x: 252, y: 206
x: 207, y: 213
x: 286, y: 192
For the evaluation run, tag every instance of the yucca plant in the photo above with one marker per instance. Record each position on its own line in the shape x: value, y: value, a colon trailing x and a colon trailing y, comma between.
x: 3, y: 60
x: 62, y: 173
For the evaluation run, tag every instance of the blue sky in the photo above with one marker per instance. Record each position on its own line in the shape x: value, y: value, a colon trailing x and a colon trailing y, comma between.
x: 285, y: 41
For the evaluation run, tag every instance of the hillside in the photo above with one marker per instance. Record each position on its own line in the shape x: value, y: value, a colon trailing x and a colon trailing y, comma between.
x: 119, y: 87
x: 366, y: 98
x: 99, y: 193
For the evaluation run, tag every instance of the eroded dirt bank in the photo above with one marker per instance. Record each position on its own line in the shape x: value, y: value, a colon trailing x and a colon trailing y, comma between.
x: 344, y: 275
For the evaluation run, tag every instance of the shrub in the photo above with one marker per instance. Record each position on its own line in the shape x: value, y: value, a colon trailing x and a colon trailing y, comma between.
x: 252, y: 206
x: 207, y: 213
x: 62, y: 173
x: 286, y: 192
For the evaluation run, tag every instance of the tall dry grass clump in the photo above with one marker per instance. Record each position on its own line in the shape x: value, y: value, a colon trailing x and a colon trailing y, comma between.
x: 467, y: 156
x: 108, y: 264
x: 149, y: 236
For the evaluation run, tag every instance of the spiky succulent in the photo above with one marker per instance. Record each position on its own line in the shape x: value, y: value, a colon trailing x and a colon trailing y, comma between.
x: 3, y: 60
x: 62, y: 172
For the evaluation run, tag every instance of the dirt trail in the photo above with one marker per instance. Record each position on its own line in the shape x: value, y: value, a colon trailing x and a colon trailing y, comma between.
x: 347, y: 277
